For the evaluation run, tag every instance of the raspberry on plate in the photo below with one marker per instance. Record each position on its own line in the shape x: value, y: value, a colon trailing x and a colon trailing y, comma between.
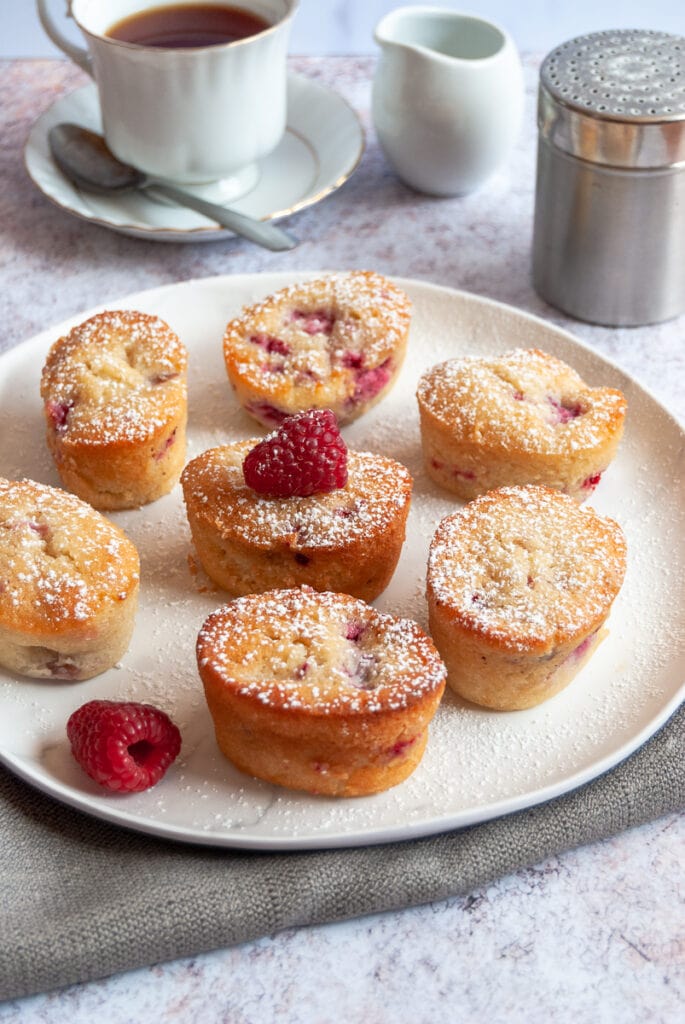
x: 124, y: 746
x: 306, y: 455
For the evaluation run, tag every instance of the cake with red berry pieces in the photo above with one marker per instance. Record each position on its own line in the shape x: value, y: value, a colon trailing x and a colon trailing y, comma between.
x: 336, y: 342
x: 319, y: 691
x: 115, y: 402
x: 297, y: 508
x: 68, y: 584
x: 124, y: 746
x: 520, y: 584
x: 524, y: 417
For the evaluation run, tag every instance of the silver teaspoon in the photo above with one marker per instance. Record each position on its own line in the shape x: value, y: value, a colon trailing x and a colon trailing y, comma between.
x: 84, y: 158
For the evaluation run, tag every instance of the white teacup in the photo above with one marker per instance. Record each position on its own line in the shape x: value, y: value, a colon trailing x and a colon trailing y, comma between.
x: 447, y: 97
x: 186, y: 115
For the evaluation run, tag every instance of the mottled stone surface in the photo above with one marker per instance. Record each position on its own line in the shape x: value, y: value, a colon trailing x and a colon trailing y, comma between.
x: 594, y: 935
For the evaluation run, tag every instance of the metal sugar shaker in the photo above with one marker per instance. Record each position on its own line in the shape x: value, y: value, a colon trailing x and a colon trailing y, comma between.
x: 609, y: 235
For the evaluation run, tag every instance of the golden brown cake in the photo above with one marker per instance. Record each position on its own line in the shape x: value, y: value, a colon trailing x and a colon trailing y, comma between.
x: 336, y: 342
x: 524, y: 417
x: 319, y: 691
x: 520, y: 584
x: 114, y: 394
x: 68, y: 584
x: 346, y: 540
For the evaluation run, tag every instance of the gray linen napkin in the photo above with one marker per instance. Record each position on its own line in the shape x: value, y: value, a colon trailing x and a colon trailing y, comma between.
x: 82, y: 899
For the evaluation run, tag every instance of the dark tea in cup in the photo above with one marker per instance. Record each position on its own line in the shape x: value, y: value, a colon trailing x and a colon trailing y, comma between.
x: 189, y: 92
x: 183, y: 26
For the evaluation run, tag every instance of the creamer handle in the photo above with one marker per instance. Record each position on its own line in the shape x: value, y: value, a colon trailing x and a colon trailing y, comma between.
x: 78, y: 54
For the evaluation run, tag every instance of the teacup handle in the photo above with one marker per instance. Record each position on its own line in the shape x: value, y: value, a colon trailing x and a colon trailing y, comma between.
x: 78, y: 54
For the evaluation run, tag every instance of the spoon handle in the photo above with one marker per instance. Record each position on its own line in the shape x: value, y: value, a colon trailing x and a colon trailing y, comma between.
x: 262, y: 232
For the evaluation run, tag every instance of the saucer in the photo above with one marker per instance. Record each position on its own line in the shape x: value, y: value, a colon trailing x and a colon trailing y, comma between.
x: 322, y: 146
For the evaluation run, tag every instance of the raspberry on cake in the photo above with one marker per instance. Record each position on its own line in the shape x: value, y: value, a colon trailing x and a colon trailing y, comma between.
x: 306, y: 455
x: 319, y: 691
x: 336, y: 342
x: 68, y: 584
x: 114, y: 395
x: 520, y: 584
x: 524, y: 417
x: 346, y: 538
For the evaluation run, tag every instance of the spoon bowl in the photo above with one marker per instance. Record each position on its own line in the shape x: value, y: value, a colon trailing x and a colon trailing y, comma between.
x: 85, y: 159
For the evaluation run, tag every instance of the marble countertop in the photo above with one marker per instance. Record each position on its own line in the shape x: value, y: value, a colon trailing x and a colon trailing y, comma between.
x: 593, y: 935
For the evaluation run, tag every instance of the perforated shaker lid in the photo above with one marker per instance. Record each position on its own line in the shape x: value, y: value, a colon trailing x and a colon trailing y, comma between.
x: 616, y: 98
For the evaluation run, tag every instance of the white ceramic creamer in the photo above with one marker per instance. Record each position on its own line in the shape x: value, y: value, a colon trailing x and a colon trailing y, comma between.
x: 447, y: 98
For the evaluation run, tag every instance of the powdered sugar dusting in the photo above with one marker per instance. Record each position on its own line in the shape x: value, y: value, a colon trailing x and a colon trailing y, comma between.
x: 296, y: 648
x: 60, y: 561
x: 376, y: 489
x: 336, y: 342
x: 119, y: 376
x: 523, y: 400
x: 526, y: 567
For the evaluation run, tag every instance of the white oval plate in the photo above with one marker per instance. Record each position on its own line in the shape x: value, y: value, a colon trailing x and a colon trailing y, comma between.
x: 322, y: 146
x: 479, y: 764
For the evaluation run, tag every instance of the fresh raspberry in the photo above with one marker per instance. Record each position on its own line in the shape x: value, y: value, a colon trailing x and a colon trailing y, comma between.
x: 124, y: 746
x: 306, y: 455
